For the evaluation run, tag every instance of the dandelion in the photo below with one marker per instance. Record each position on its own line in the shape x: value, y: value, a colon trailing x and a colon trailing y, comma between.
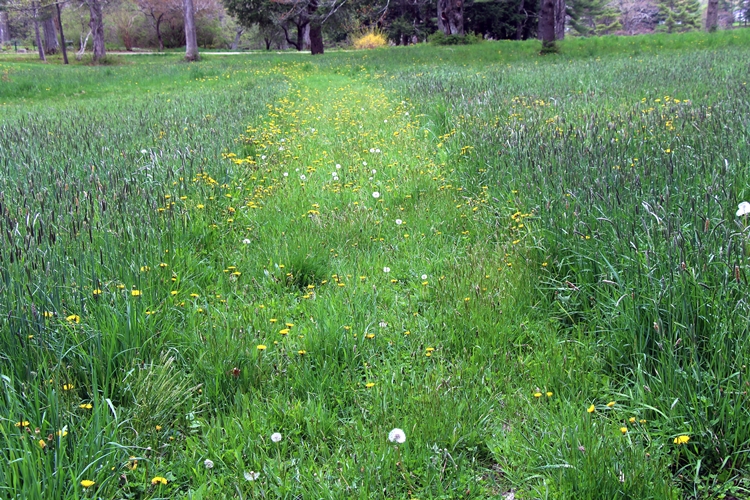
x: 743, y: 209
x: 537, y: 394
x: 87, y: 483
x: 135, y: 293
x: 261, y: 347
x: 302, y: 352
x: 67, y: 387
x: 611, y: 404
x: 424, y: 277
x: 683, y: 439
x: 23, y: 423
x: 97, y: 293
x: 631, y: 420
x: 159, y: 480
x: 246, y: 241
x: 386, y: 269
x: 624, y: 430
x: 251, y: 476
x: 370, y: 385
x: 42, y: 444
x: 73, y: 318
x: 276, y: 437
x: 208, y: 463
x: 399, y: 222
x: 397, y: 436
x: 376, y: 195
x: 591, y: 409
x: 549, y: 394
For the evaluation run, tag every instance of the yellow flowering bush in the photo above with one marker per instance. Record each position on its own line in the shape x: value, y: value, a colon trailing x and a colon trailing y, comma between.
x: 372, y: 39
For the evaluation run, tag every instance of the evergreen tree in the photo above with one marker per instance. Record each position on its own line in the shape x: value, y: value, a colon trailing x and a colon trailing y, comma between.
x: 593, y: 17
x: 679, y: 15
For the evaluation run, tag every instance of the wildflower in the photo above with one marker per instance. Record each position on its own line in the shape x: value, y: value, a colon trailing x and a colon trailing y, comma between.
x: 624, y: 430
x: 743, y: 209
x: 370, y: 385
x: 97, y: 293
x: 631, y: 420
x: 376, y: 195
x: 386, y: 269
x: 73, y: 318
x: 24, y: 423
x: 397, y: 436
x: 132, y: 463
x: 591, y: 409
x: 158, y: 427
x: 87, y: 483
x: 67, y: 387
x: 246, y: 241
x: 159, y: 480
x: 284, y: 331
x: 276, y: 437
x: 62, y: 433
x: 208, y: 463
x: 261, y: 347
x: 611, y: 404
x: 399, y: 222
x: 683, y: 439
x: 252, y: 476
x: 42, y: 443
x: 424, y: 277
x: 537, y: 394
x: 549, y: 394
x: 135, y: 293
x: 302, y: 352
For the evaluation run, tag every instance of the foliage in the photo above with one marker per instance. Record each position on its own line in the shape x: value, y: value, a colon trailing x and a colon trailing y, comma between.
x: 440, y: 38
x: 371, y: 39
x: 679, y: 15
x: 593, y: 17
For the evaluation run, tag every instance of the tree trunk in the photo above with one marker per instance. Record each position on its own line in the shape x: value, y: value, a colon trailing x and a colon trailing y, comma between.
x: 158, y: 32
x: 519, y: 21
x: 191, y: 38
x: 62, y: 35
x: 559, y: 19
x: 316, y: 38
x: 48, y: 29
x: 306, y: 37
x: 712, y: 15
x: 39, y: 47
x: 547, y: 25
x: 451, y: 16
x: 268, y: 42
x: 4, y: 27
x: 300, y: 45
x: 285, y: 28
x: 96, y: 23
x: 237, y: 36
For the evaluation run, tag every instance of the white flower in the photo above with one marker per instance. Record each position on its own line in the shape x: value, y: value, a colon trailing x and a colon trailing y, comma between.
x: 286, y: 174
x: 386, y: 269
x: 276, y: 437
x: 246, y: 241
x: 372, y: 150
x: 424, y: 276
x: 743, y: 209
x: 143, y: 151
x: 397, y: 436
x: 374, y: 171
x: 281, y: 148
x: 385, y: 121
x: 382, y: 324
x: 208, y: 463
x: 263, y: 157
x: 376, y: 194
x: 338, y: 166
x: 399, y: 222
x: 252, y: 476
x: 303, y: 177
x: 377, y: 150
x: 364, y: 163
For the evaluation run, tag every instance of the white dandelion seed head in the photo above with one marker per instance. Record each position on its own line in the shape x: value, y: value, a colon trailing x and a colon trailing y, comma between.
x: 263, y: 157
x: 382, y: 324
x: 385, y: 121
x: 399, y: 222
x: 286, y: 174
x: 397, y: 436
x: 424, y: 276
x: 282, y: 140
x: 376, y: 194
x: 372, y: 150
x: 386, y: 269
x: 364, y: 163
x: 281, y: 148
x: 276, y: 437
x: 252, y: 475
x: 208, y: 463
x: 144, y: 151
x: 338, y: 166
x: 374, y: 171
x: 370, y: 178
x: 743, y: 209
x: 377, y: 150
x: 303, y: 177
x: 246, y: 241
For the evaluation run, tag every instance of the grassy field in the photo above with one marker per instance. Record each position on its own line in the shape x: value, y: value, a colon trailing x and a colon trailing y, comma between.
x: 418, y: 272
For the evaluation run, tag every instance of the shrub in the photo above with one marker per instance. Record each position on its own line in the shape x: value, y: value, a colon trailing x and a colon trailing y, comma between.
x: 440, y: 38
x: 371, y: 39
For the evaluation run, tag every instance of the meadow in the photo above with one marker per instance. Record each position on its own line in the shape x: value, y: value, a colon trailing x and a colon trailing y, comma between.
x: 413, y: 272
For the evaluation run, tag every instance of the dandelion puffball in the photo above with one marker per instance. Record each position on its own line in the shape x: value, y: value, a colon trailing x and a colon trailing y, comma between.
x: 386, y: 269
x: 743, y: 209
x: 397, y: 436
x: 252, y: 475
x: 376, y: 194
x: 276, y: 437
x: 208, y: 463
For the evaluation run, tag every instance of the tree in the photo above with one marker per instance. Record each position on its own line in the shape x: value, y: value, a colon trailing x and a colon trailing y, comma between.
x: 450, y: 16
x: 158, y: 11
x: 4, y: 26
x: 551, y: 24
x: 593, y: 17
x: 48, y: 29
x: 191, y: 39
x: 712, y: 15
x: 679, y: 15
x: 96, y: 23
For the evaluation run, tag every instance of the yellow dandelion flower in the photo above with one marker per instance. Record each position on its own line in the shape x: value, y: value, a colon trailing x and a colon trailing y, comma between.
x: 370, y: 385
x: 284, y: 331
x: 158, y: 427
x: 42, y: 443
x: 549, y: 394
x: 631, y: 420
x: 135, y: 293
x: 73, y: 318
x: 370, y: 336
x: 67, y: 387
x: 261, y: 347
x: 87, y: 483
x: 85, y: 406
x: 591, y: 409
x: 683, y: 439
x: 624, y: 430
x: 537, y: 394
x: 159, y: 480
x: 24, y: 423
x: 611, y: 404
x: 97, y: 292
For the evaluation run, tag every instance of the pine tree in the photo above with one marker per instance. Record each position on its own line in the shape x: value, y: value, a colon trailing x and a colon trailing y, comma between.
x: 679, y: 15
x: 593, y: 17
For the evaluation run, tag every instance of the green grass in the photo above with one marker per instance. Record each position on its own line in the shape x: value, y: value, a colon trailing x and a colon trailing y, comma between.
x: 330, y: 248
